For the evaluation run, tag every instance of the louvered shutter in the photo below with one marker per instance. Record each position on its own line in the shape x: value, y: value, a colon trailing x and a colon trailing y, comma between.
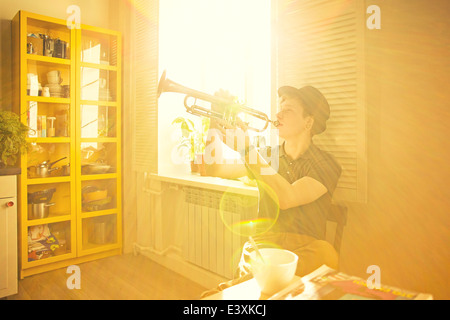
x: 320, y: 43
x: 145, y: 153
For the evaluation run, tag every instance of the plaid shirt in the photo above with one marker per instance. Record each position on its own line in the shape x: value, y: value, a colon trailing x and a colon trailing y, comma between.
x: 309, y: 219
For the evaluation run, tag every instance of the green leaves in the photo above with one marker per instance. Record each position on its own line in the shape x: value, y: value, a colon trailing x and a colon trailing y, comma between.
x: 191, y: 138
x: 187, y: 126
x: 12, y: 137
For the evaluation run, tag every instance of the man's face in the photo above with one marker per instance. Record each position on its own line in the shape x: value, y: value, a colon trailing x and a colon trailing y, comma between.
x: 292, y: 121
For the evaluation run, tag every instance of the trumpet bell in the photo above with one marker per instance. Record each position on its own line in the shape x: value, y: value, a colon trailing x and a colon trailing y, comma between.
x: 162, y: 84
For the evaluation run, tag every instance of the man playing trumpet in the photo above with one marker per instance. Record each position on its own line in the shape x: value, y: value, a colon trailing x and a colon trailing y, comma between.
x: 302, y: 177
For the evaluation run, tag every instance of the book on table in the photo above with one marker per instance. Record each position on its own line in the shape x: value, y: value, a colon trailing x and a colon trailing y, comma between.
x: 328, y: 284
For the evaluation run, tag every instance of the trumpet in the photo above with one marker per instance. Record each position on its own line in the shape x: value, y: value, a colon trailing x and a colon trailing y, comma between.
x: 230, y: 107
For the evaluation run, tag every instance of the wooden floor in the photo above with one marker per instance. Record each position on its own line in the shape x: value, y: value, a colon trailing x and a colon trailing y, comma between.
x: 122, y: 277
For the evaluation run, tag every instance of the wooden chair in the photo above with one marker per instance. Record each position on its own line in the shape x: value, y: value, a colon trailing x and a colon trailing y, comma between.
x: 338, y: 214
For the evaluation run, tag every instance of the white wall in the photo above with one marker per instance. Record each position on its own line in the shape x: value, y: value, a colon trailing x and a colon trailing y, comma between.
x: 94, y: 13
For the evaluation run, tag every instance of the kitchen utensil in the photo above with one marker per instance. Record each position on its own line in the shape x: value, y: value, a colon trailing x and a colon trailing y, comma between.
x: 51, y: 126
x: 46, y: 92
x: 95, y: 168
x: 49, y: 46
x: 65, y: 170
x: 62, y: 124
x: 95, y: 196
x: 97, y: 205
x: 102, y: 230
x: 43, y: 169
x: 39, y: 210
x: 60, y: 49
x: 65, y: 91
x: 92, y: 193
x: 41, y: 196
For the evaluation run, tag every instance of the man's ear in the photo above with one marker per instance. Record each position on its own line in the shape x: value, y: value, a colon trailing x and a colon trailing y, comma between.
x: 309, y: 122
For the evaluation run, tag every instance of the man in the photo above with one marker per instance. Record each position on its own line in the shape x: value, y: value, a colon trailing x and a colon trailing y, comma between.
x: 303, y: 179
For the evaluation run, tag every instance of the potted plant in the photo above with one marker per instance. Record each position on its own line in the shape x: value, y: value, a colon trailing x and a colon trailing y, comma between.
x: 193, y: 140
x: 12, y: 138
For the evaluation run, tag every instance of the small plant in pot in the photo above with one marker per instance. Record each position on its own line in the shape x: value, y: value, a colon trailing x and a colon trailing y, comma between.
x: 12, y: 138
x: 193, y: 140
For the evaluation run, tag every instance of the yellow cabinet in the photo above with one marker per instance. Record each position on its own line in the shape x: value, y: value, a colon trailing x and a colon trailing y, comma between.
x: 67, y: 90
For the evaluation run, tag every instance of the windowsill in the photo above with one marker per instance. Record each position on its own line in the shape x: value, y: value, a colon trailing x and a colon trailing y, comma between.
x: 212, y: 183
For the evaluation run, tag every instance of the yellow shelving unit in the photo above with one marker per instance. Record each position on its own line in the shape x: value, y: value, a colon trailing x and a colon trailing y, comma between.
x: 76, y: 121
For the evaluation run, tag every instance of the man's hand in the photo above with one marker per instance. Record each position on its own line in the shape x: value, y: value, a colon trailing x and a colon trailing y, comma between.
x: 235, y: 137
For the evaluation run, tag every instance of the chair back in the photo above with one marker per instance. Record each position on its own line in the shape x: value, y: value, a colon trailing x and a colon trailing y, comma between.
x: 338, y: 214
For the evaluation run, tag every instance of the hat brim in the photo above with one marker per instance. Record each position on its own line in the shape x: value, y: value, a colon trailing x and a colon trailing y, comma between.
x: 288, y: 91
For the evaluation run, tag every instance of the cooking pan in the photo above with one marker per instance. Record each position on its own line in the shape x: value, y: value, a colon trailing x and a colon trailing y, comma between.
x: 95, y: 168
x: 44, y: 169
x: 41, y: 196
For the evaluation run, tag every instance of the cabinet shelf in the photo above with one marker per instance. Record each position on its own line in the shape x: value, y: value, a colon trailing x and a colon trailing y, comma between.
x: 48, y: 99
x: 98, y: 176
x: 55, y: 258
x: 48, y: 60
x: 49, y: 140
x: 99, y: 66
x: 91, y: 214
x: 34, y: 181
x: 52, y: 218
x: 100, y: 139
x: 99, y: 103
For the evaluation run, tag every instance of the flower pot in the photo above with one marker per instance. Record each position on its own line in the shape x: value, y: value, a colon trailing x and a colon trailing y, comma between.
x: 198, y: 165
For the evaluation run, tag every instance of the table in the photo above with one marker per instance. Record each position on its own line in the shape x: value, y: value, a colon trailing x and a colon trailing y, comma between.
x: 249, y: 290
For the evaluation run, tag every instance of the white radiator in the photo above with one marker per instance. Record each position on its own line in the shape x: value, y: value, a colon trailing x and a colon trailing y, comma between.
x: 208, y: 242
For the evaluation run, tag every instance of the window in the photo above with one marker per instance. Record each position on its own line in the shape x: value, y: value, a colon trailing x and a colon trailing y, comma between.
x: 209, y: 45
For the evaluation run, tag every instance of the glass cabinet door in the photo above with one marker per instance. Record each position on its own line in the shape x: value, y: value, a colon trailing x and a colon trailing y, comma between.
x: 47, y: 102
x: 98, y: 84
x: 98, y: 48
x: 98, y: 121
x: 99, y: 146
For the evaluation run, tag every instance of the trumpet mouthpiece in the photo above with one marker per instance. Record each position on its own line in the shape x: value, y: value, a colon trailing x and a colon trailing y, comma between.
x: 276, y: 123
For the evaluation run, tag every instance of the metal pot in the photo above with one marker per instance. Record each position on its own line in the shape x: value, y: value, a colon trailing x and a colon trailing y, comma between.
x: 41, y: 196
x: 65, y: 170
x: 101, y: 231
x: 39, y: 210
x: 44, y: 169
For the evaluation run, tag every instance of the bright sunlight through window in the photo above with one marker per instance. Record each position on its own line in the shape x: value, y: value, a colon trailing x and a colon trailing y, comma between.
x: 209, y: 45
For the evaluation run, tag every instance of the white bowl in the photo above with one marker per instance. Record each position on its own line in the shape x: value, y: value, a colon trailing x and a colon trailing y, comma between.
x: 54, y: 87
x: 277, y: 270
